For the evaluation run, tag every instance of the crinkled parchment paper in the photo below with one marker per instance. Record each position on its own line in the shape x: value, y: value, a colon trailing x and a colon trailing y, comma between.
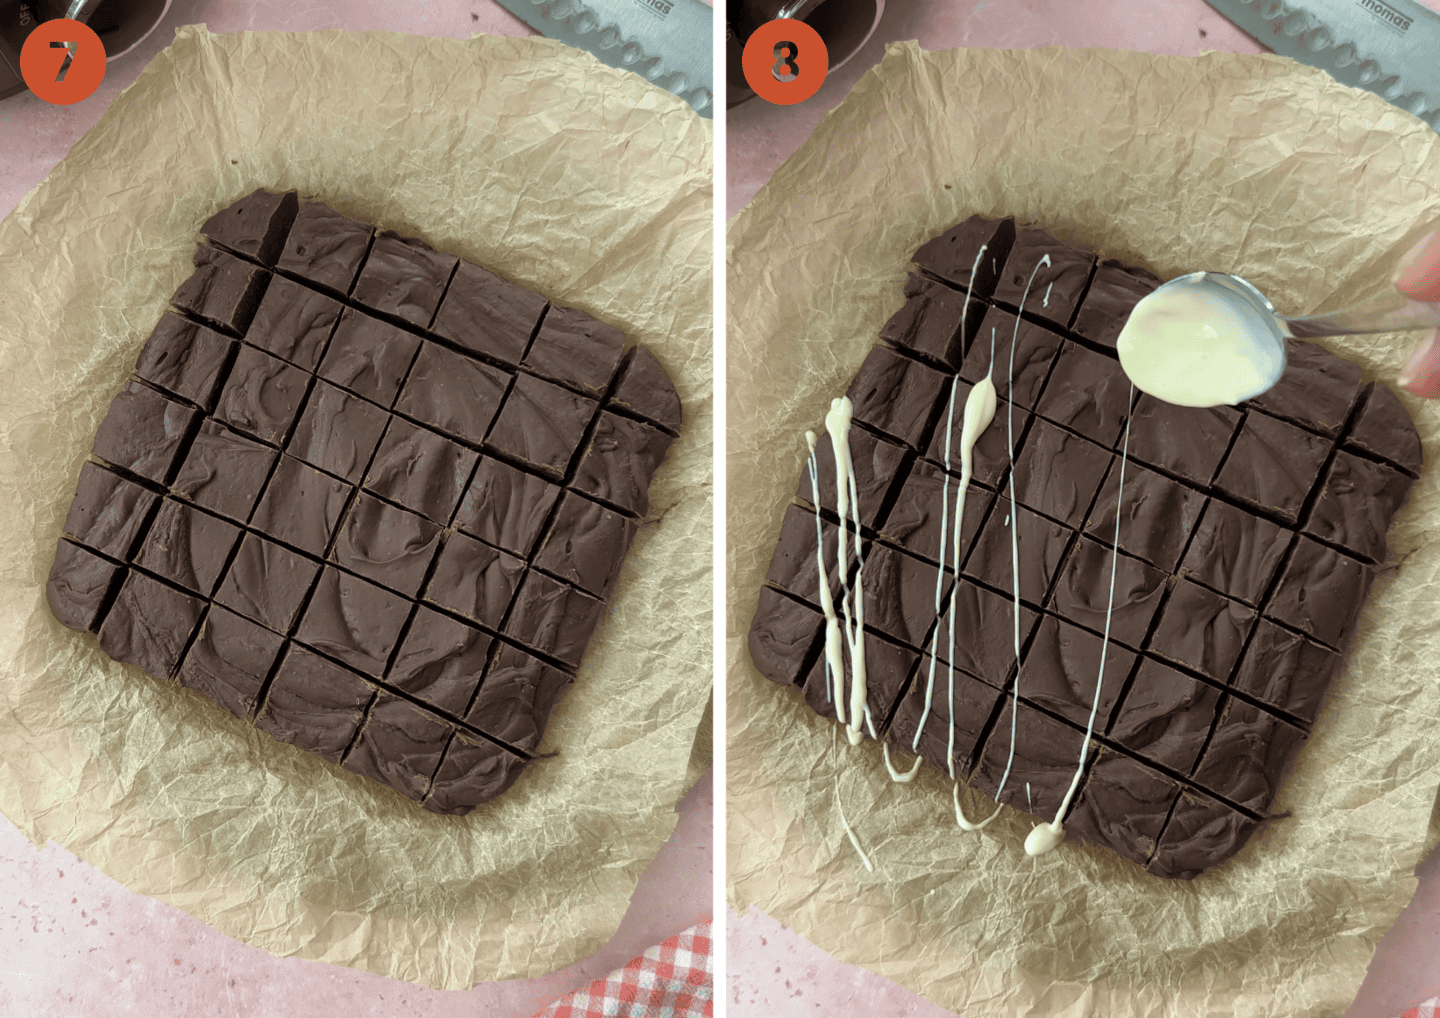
x: 523, y: 155
x: 1248, y: 164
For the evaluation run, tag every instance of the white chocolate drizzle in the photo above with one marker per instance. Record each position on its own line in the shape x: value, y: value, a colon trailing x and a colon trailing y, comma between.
x: 848, y: 832
x: 960, y: 818
x: 1045, y: 837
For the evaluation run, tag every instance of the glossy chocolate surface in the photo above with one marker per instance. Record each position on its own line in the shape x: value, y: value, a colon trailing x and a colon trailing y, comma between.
x: 385, y: 544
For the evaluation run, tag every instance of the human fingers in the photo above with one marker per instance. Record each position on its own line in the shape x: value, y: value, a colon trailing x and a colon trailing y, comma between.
x: 1421, y: 375
x: 1417, y: 275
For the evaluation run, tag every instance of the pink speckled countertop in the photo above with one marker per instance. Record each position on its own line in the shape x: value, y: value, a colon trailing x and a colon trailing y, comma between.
x: 770, y: 970
x: 75, y: 942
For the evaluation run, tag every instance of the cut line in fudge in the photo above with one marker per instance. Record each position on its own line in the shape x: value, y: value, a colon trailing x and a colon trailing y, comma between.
x: 1343, y: 542
x: 342, y: 508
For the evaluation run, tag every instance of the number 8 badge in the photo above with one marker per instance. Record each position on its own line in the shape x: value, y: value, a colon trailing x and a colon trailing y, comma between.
x: 785, y: 61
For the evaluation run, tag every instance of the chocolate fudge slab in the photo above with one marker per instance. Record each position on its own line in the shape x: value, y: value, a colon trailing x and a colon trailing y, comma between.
x: 887, y: 666
x: 876, y: 463
x: 586, y: 544
x: 108, y: 511
x: 404, y: 277
x: 1062, y: 672
x: 187, y: 546
x: 952, y: 726
x: 385, y: 544
x: 337, y: 432
x: 582, y: 353
x: 1286, y: 670
x: 294, y: 322
x: 1128, y: 609
x: 553, y: 618
x: 475, y: 580
x: 646, y: 390
x: 782, y: 634
x: 505, y: 506
x: 229, y: 660
x: 1235, y: 552
x: 1123, y: 806
x: 369, y: 356
x: 1202, y: 630
x: 1200, y: 831
x: 516, y: 697
x: 266, y: 582
x: 793, y: 566
x: 541, y: 424
x: 325, y: 248
x: 1273, y: 466
x: 620, y: 461
x: 928, y: 501
x: 1046, y: 753
x: 1247, y: 542
x: 224, y: 471
x: 985, y: 632
x: 1114, y: 289
x: 990, y: 457
x: 1021, y: 372
x: 79, y: 581
x: 301, y: 506
x: 1041, y: 543
x: 474, y: 770
x: 440, y: 661
x: 314, y: 704
x: 1157, y: 514
x: 1041, y: 483
x: 184, y: 358
x: 1187, y: 442
x: 1359, y: 499
x: 224, y: 290
x: 262, y: 396
x: 1247, y: 755
x: 255, y: 226
x: 1091, y: 395
x: 1050, y: 291
x: 1167, y: 716
x: 143, y: 432
x: 934, y: 321
x: 900, y: 592
x: 489, y: 315
x: 952, y: 255
x: 421, y: 470
x: 275, y: 485
x: 1321, y: 592
x: 1384, y: 429
x: 353, y: 620
x: 149, y: 624
x: 896, y: 395
x: 453, y: 393
x: 1316, y: 390
x: 399, y: 744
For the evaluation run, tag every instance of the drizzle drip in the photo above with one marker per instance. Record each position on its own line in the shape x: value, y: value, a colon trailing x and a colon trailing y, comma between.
x: 960, y: 818
x: 848, y: 832
x: 1045, y: 837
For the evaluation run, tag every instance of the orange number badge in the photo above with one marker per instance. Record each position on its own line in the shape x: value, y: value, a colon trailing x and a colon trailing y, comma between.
x: 785, y: 61
x: 63, y: 61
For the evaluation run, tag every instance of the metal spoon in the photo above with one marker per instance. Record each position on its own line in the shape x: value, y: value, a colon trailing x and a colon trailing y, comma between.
x: 1269, y: 329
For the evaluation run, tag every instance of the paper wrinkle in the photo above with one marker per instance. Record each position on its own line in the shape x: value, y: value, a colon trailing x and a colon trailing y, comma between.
x: 527, y: 157
x: 1253, y: 165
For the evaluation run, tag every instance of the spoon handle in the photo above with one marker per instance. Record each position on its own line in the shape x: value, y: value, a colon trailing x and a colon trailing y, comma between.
x: 1392, y: 313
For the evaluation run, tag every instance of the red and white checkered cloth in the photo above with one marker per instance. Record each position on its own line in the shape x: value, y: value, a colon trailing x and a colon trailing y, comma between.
x: 1429, y: 1009
x: 674, y: 980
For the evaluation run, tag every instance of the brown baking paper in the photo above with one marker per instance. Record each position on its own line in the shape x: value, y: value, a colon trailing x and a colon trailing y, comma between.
x: 524, y: 155
x: 1248, y: 164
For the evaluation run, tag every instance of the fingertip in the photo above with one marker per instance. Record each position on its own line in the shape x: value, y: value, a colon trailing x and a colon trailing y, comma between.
x: 1421, y: 374
x: 1417, y: 275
